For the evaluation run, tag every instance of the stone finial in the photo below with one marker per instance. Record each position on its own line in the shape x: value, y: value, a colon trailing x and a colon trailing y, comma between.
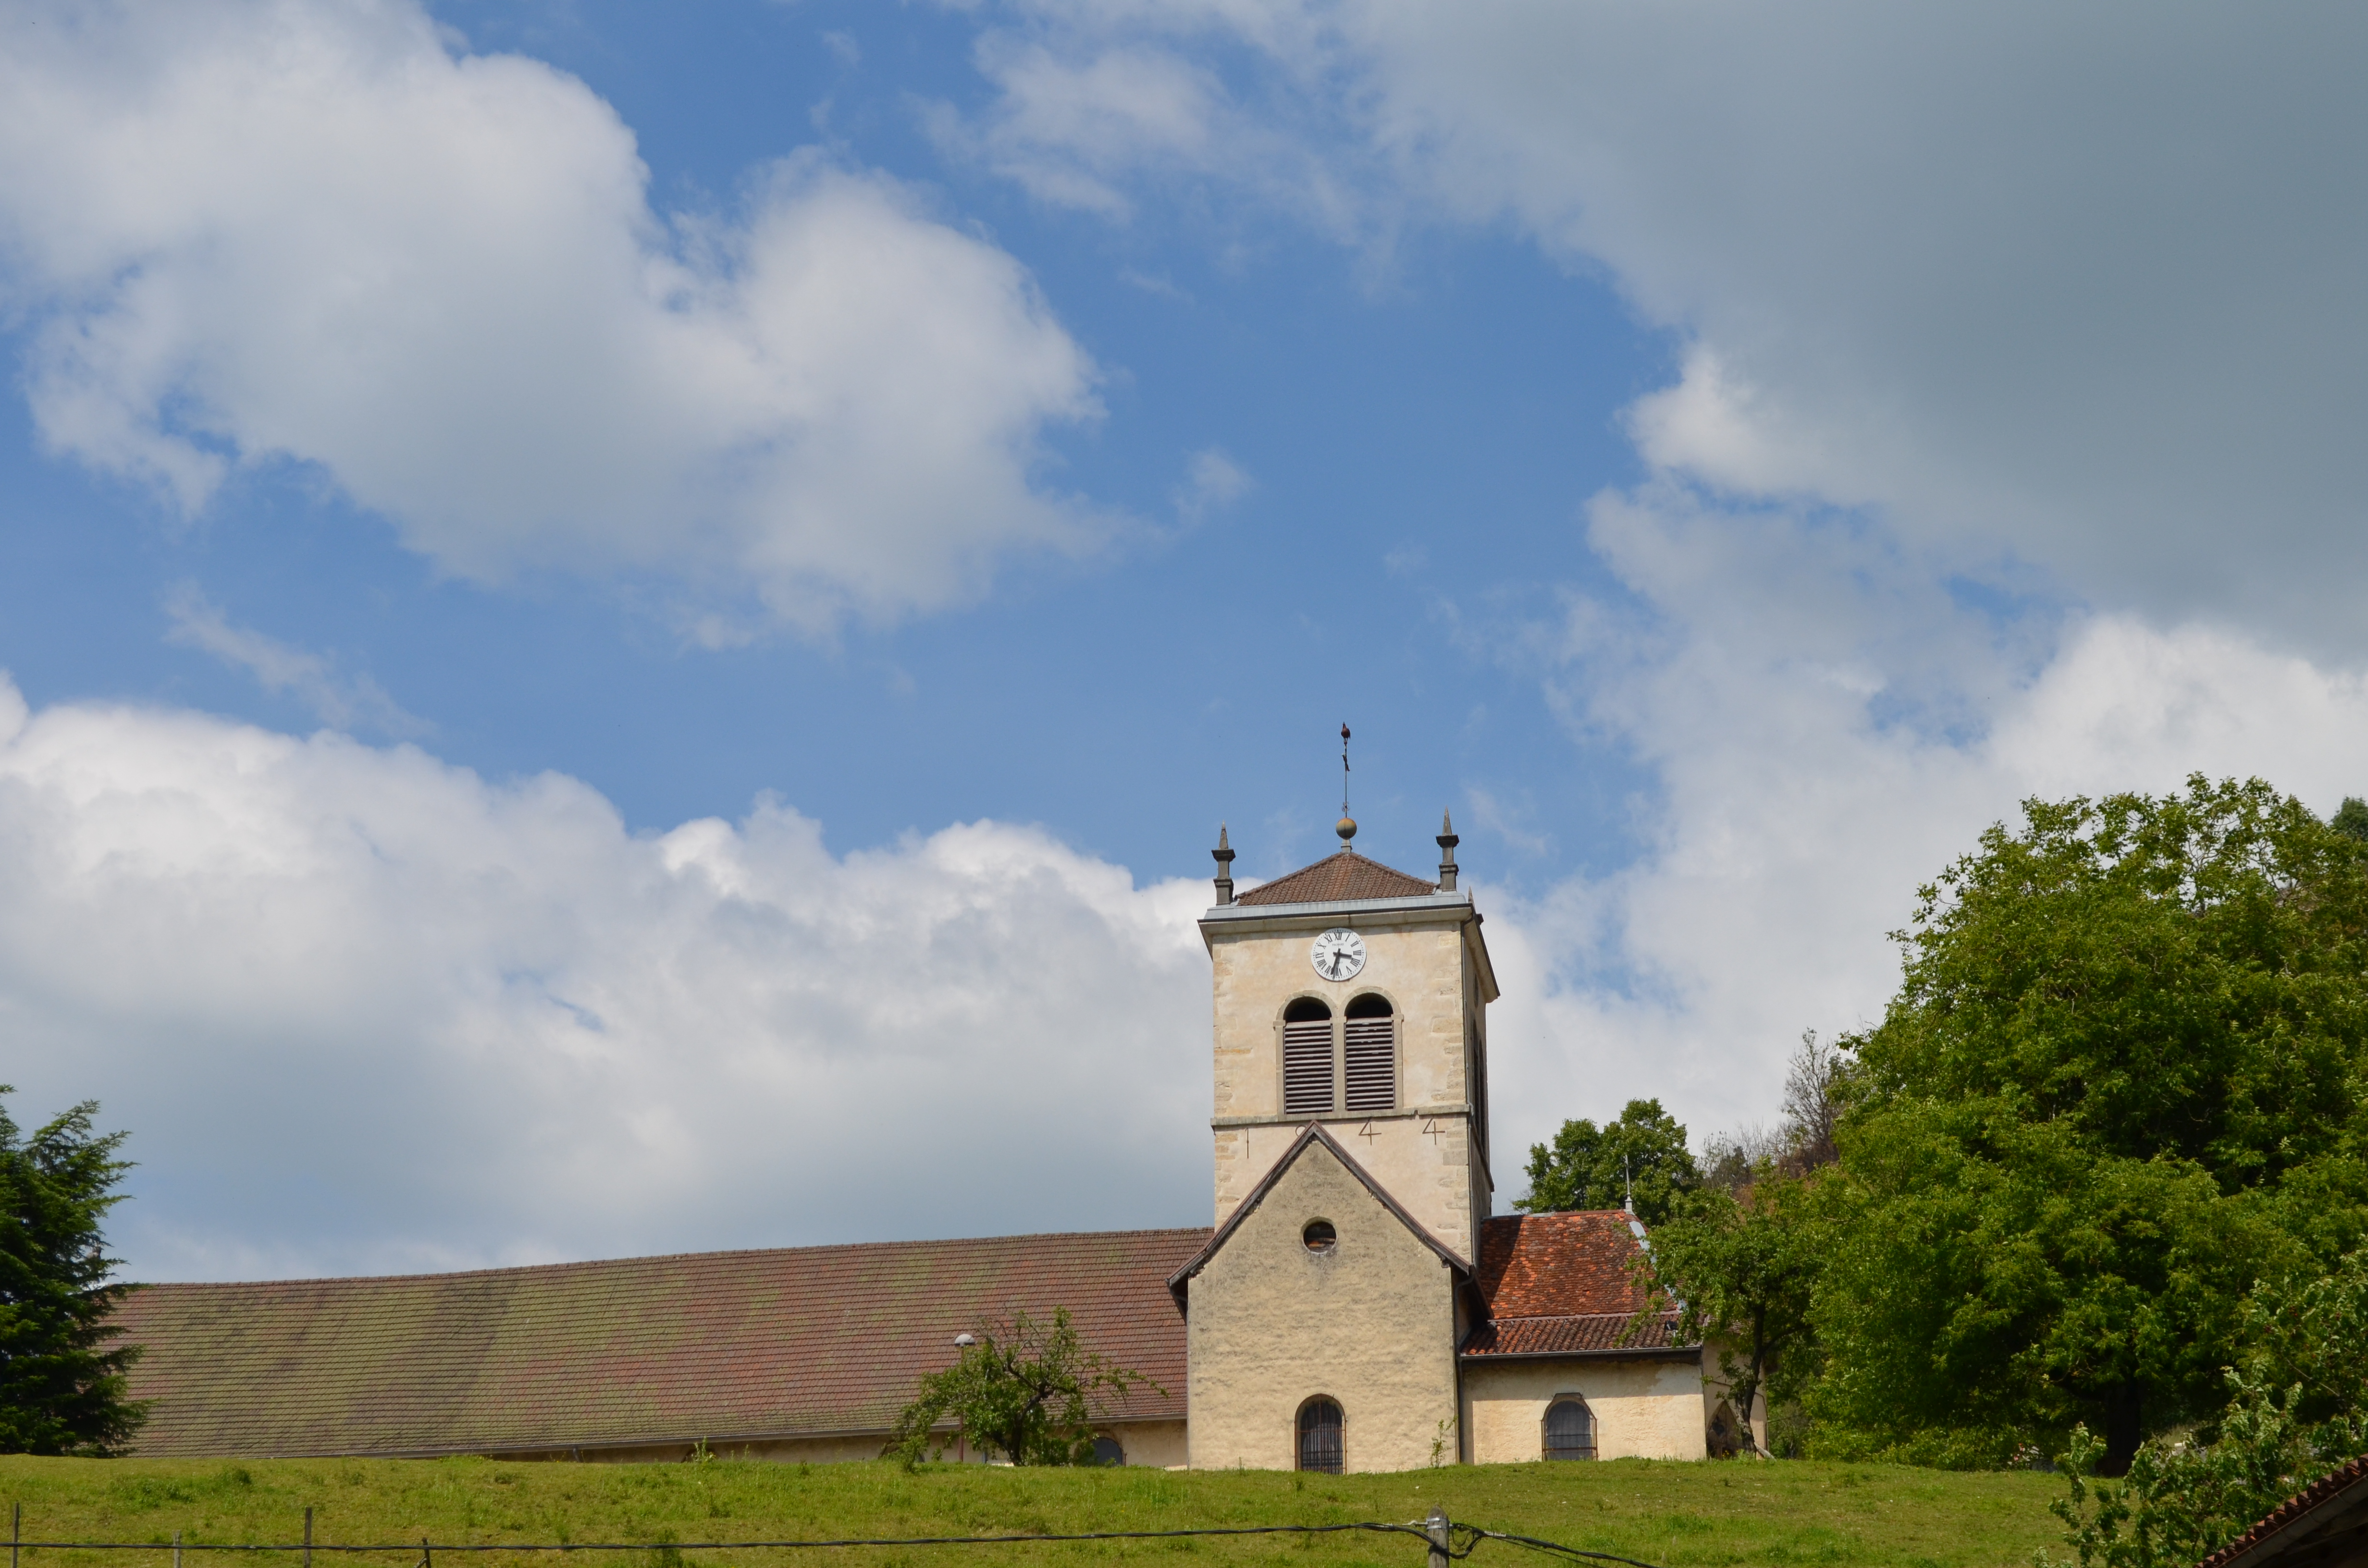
x: 1223, y: 854
x: 1447, y: 843
x: 1346, y: 828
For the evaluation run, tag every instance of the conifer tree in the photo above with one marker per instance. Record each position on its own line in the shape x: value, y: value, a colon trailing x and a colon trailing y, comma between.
x: 62, y: 1387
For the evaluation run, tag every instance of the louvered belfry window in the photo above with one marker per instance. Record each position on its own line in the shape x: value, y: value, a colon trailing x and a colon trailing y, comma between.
x: 1319, y: 1436
x: 1307, y: 1058
x: 1372, y: 1056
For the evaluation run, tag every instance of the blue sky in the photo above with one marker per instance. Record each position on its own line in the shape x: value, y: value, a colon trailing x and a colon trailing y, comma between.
x: 589, y: 583
x: 1417, y: 433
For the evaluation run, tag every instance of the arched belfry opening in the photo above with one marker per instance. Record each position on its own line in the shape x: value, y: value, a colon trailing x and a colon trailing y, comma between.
x: 1369, y: 1054
x: 1307, y: 1076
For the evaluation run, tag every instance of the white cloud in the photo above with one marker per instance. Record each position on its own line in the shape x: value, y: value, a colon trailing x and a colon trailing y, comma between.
x: 1212, y: 481
x: 1095, y: 100
x: 247, y: 231
x: 2014, y: 438
x: 340, y: 701
x: 2077, y: 287
x: 363, y: 1010
x: 1064, y: 124
x: 1828, y: 728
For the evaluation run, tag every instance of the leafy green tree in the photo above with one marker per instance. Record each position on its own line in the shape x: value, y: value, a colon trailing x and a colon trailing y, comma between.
x: 62, y: 1385
x: 2299, y: 1409
x: 2351, y: 819
x: 1995, y: 1282
x: 1591, y: 1167
x: 2181, y: 1502
x: 1744, y: 1263
x: 2119, y: 1084
x: 1029, y: 1392
x: 2312, y: 1337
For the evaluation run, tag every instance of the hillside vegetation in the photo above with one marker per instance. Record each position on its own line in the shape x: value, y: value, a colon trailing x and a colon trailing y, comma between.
x: 1677, y: 1514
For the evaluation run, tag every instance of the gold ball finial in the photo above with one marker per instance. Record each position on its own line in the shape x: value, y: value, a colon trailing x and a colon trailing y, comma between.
x: 1346, y: 828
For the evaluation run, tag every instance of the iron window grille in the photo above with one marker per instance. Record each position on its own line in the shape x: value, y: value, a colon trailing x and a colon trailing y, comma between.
x: 1570, y: 1429
x: 1319, y: 1436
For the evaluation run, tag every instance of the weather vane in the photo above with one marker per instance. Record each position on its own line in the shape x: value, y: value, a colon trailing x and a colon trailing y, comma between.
x: 1346, y: 827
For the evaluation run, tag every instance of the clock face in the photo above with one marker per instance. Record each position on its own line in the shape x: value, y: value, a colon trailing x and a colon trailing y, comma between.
x: 1339, y: 953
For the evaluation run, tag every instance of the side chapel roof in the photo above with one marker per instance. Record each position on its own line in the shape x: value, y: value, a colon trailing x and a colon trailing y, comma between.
x: 1561, y: 1284
x: 729, y: 1346
x: 1336, y: 879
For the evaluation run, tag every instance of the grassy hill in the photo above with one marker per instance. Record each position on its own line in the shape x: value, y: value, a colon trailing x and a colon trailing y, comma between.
x: 1678, y: 1515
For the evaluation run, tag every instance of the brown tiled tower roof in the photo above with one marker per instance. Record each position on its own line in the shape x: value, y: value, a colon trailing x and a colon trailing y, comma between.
x: 725, y: 1345
x: 1336, y: 879
x: 1561, y: 1283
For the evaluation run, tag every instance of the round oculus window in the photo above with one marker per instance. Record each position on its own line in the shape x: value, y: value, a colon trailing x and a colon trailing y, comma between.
x: 1320, y: 1236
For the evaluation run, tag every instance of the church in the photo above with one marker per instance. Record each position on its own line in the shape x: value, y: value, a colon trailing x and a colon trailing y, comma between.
x: 1356, y: 1305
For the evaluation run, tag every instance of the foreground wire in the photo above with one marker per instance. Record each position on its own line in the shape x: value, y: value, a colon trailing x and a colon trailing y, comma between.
x: 413, y: 1545
x: 1552, y: 1548
x: 1473, y: 1535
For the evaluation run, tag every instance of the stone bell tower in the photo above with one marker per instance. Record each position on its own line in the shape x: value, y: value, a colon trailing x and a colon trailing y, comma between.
x: 1354, y: 997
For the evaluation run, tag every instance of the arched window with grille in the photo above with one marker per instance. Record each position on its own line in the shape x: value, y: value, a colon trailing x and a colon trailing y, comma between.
x: 1307, y: 1063
x: 1319, y: 1436
x: 1570, y: 1429
x: 1370, y: 1054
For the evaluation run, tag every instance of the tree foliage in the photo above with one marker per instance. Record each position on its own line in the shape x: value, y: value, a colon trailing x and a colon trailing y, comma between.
x: 62, y: 1383
x: 1744, y: 1263
x: 2118, y: 1086
x: 1590, y: 1168
x: 2300, y: 1407
x: 1026, y: 1390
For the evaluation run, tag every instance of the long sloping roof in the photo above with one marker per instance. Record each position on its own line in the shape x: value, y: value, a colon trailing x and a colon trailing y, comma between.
x: 1336, y: 879
x: 1564, y: 1284
x: 723, y: 1346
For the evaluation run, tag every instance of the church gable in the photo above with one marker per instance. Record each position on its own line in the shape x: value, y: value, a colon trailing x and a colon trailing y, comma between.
x: 1320, y: 1293
x: 1310, y: 1137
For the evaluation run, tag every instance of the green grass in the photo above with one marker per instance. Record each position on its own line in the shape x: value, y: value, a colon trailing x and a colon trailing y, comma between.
x: 1684, y: 1515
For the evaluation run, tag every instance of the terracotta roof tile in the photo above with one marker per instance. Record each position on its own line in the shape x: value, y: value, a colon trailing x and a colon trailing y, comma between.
x: 1573, y: 1334
x: 1559, y: 1284
x: 1559, y: 1265
x: 1336, y: 879
x: 2324, y: 1498
x: 736, y: 1344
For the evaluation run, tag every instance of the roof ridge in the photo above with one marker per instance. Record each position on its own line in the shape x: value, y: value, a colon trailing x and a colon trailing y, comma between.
x: 1566, y: 1214
x: 518, y: 1269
